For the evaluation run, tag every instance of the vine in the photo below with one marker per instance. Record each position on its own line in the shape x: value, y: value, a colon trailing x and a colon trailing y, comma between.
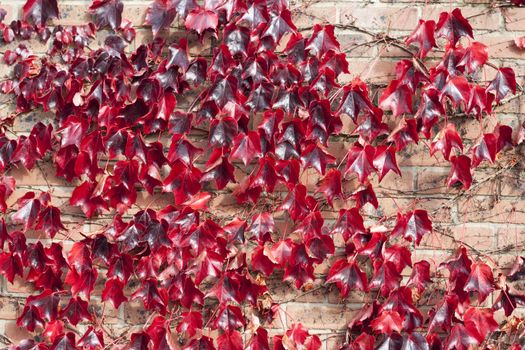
x: 127, y: 123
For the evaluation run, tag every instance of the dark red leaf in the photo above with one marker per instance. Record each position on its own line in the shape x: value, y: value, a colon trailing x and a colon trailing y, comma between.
x: 108, y: 13
x: 452, y: 25
x: 39, y: 11
x: 423, y: 35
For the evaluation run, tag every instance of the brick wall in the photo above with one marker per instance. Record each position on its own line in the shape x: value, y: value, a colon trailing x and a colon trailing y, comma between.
x: 491, y: 217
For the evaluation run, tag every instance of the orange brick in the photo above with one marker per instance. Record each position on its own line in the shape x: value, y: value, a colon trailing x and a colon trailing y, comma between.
x: 379, y: 17
x: 491, y: 209
x: 515, y: 18
x: 319, y: 316
x: 9, y: 308
x: 501, y: 46
x: 482, y: 237
x: 15, y: 333
x: 309, y: 15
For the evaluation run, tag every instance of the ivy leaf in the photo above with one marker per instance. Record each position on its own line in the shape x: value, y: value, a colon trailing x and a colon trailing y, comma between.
x: 229, y: 318
x: 201, y: 20
x: 191, y: 321
x: 460, y: 171
x: 108, y: 13
x: 480, y: 322
x: 230, y: 340
x: 92, y: 339
x: 452, y: 26
x: 330, y: 186
x: 76, y: 311
x: 49, y: 221
x: 360, y: 160
x: 39, y: 11
x: 87, y: 197
x: 420, y: 276
x: 476, y: 55
x: 423, y: 35
x: 441, y: 315
x: 397, y: 98
x: 485, y: 148
x: 347, y: 275
x: 113, y: 291
x: 385, y: 161
x: 388, y: 322
x: 246, y: 147
x: 28, y: 212
x: 322, y: 40
x: 460, y: 338
x: 446, y: 140
x: 503, y: 84
x: 160, y: 15
x: 355, y: 100
x: 480, y: 280
x: 412, y: 226
x: 317, y: 158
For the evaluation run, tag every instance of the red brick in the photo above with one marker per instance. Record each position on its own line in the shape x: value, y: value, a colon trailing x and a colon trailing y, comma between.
x: 15, y: 333
x: 9, y: 308
x: 379, y: 17
x: 319, y: 316
x: 515, y: 18
x: 509, y: 236
x: 482, y: 237
x: 501, y: 46
x: 312, y: 14
x: 491, y: 209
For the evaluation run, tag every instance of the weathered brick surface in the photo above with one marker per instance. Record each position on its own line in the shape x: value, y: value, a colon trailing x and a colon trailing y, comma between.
x: 491, y: 218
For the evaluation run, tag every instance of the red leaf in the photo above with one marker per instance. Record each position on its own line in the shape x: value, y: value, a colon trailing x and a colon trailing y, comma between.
x: 88, y: 197
x: 322, y: 40
x: 423, y: 35
x: 397, y: 98
x: 113, y: 291
x: 460, y: 171
x: 445, y: 140
x: 388, y: 322
x: 355, y: 99
x: 412, y: 226
x: 503, y: 84
x: 457, y: 89
x: 480, y: 322
x: 39, y: 11
x: 476, y: 55
x: 360, y: 161
x: 485, y: 149
x: 317, y: 158
x: 229, y: 318
x: 49, y: 221
x: 76, y: 311
x: 201, y: 20
x: 246, y: 147
x: 385, y: 161
x: 460, y: 339
x: 480, y: 280
x: 230, y: 340
x: 107, y: 13
x: 160, y: 15
x: 420, y: 276
x: 92, y: 339
x: 347, y: 275
x: 452, y: 25
x: 191, y: 321
x: 330, y: 186
x: 28, y: 212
